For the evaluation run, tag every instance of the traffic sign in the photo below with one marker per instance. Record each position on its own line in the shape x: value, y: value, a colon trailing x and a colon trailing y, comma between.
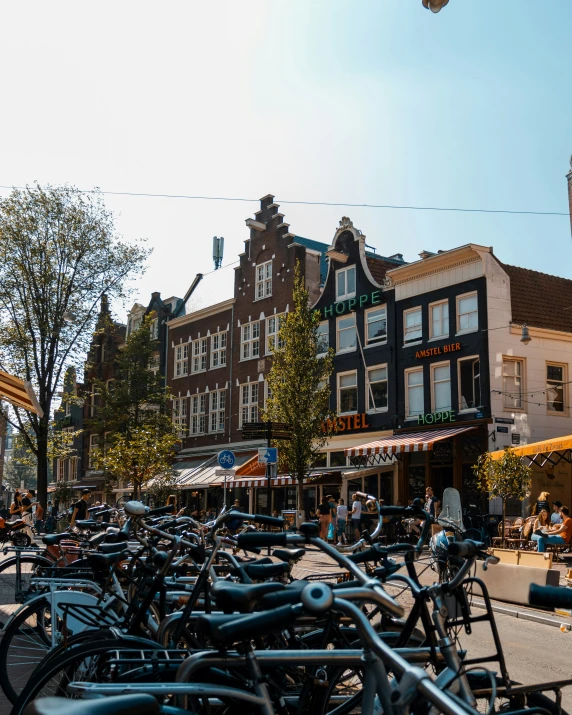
x: 225, y: 472
x: 226, y: 459
x: 267, y: 455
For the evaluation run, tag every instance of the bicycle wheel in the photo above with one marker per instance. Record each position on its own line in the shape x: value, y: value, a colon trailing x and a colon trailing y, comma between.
x: 91, y: 663
x: 9, y: 594
x: 502, y: 704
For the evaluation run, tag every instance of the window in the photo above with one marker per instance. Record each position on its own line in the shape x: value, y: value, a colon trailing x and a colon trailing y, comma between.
x: 93, y: 451
x: 154, y: 328
x: 61, y: 470
x: 346, y: 333
x: 273, y: 325
x: 441, y: 387
x: 375, y: 325
x: 103, y: 355
x: 180, y: 415
x: 439, y: 319
x: 347, y: 392
x: 512, y: 386
x: 198, y: 417
x: 200, y: 355
x: 345, y: 283
x: 267, y: 393
x: 376, y: 388
x: 73, y: 462
x: 250, y: 342
x: 181, y: 360
x: 67, y: 404
x: 555, y: 380
x: 154, y: 364
x: 248, y: 403
x: 323, y: 337
x: 414, y: 392
x: 264, y: 280
x: 469, y: 383
x: 467, y: 313
x: 412, y: 331
x: 218, y: 403
x: 218, y: 349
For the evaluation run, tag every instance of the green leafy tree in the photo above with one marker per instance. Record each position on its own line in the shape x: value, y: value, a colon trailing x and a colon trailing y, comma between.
x: 59, y: 254
x: 299, y: 386
x: 503, y: 478
x: 161, y: 487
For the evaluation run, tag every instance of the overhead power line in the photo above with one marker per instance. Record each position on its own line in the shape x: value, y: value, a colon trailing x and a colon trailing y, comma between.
x: 316, y: 203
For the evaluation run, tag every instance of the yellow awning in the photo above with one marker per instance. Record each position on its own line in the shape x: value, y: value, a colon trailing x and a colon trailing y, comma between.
x: 19, y: 393
x: 559, y: 444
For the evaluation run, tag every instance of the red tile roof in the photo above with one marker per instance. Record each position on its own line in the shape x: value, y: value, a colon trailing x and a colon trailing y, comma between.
x: 378, y: 267
x: 539, y: 299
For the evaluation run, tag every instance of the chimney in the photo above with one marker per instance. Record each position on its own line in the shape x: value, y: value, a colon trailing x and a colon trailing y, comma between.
x: 569, y: 177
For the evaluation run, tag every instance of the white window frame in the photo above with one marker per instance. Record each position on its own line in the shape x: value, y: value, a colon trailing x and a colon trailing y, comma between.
x: 73, y: 469
x: 248, y: 396
x: 273, y: 334
x: 339, y: 391
x: 67, y: 405
x: 415, y: 341
x: 93, y: 445
x: 506, y: 393
x: 199, y: 361
x: 180, y: 410
x: 458, y: 299
x: 198, y: 421
x: 181, y: 368
x: 154, y: 328
x: 249, y: 342
x: 564, y: 383
x: 445, y: 334
x: 326, y: 333
x: 342, y: 272
x: 267, y: 394
x: 471, y: 359
x: 263, y: 280
x: 373, y: 409
x: 406, y: 373
x: 433, y: 368
x: 366, y: 321
x: 219, y: 342
x: 217, y: 411
x: 338, y: 320
x: 61, y: 476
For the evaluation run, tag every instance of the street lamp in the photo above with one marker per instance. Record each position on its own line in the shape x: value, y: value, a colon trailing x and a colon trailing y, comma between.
x: 434, y: 5
x: 524, y: 334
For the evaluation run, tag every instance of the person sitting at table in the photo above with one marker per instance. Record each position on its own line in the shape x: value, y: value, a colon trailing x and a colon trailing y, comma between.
x: 560, y: 535
x: 556, y: 516
x: 542, y: 522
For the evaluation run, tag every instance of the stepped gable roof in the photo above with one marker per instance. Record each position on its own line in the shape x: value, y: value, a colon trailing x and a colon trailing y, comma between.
x: 379, y: 265
x: 539, y: 299
x: 316, y: 246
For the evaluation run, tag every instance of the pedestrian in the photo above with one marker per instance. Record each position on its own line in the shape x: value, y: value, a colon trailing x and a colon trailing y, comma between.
x: 16, y: 505
x: 50, y: 524
x: 341, y: 521
x: 172, y: 502
x: 28, y: 502
x: 356, y: 516
x: 430, y: 501
x: 236, y: 505
x: 541, y: 503
x: 333, y: 509
x: 556, y: 516
x: 79, y: 509
x: 325, y: 514
x: 39, y: 519
x: 562, y: 533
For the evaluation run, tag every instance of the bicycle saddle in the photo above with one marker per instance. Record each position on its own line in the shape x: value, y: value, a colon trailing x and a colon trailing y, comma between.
x: 113, y: 548
x: 103, y: 561
x: 264, y: 571
x: 87, y: 523
x: 241, y: 597
x: 290, y: 594
x: 52, y: 539
x: 289, y: 554
x: 120, y: 705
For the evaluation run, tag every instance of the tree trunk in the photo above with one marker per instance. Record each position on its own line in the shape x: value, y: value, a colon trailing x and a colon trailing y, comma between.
x: 42, y: 468
x: 503, y: 520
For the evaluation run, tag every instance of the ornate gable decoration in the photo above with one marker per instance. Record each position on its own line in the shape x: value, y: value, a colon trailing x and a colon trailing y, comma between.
x: 347, y: 223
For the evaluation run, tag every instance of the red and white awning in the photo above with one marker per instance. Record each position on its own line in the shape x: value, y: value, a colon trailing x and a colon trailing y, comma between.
x: 261, y: 482
x: 411, y: 442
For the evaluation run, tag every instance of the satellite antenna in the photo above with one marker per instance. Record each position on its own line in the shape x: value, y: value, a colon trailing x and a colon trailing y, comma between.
x: 218, y: 250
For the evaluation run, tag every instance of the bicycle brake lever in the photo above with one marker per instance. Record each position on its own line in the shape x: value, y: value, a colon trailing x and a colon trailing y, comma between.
x: 490, y: 559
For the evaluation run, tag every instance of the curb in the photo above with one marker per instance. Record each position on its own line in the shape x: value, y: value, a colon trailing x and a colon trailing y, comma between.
x: 524, y: 615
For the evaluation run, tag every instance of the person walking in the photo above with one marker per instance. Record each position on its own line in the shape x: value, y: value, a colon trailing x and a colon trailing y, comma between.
x: 541, y: 503
x: 341, y: 521
x: 39, y: 525
x: 28, y: 502
x: 16, y: 505
x: 79, y: 509
x: 561, y: 535
x: 356, y: 516
x: 325, y: 514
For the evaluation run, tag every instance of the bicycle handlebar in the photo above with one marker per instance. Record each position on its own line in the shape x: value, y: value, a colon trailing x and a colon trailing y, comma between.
x: 467, y: 549
x: 261, y: 538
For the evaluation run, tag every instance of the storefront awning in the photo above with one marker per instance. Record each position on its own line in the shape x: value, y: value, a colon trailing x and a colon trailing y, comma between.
x: 19, y: 393
x: 409, y: 442
x: 261, y: 482
x: 553, y: 451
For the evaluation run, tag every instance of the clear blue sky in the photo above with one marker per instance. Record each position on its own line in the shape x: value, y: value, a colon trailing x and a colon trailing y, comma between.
x: 364, y: 101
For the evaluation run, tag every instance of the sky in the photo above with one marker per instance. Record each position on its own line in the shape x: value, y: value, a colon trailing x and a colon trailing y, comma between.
x: 342, y: 101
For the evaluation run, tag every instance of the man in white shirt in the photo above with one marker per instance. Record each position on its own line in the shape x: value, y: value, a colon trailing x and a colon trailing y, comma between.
x: 356, y: 516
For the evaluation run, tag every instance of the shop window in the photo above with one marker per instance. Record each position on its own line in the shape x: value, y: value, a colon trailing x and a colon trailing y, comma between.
x: 412, y: 328
x: 439, y: 320
x: 441, y: 387
x: 200, y: 355
x: 218, y: 349
x: 323, y: 338
x: 512, y: 384
x: 347, y: 393
x: 376, y: 388
x: 217, y: 411
x: 248, y: 403
x: 467, y: 313
x: 273, y: 325
x: 264, y: 280
x: 250, y: 341
x: 198, y: 417
x: 346, y: 328
x: 338, y: 459
x: 376, y: 325
x: 414, y: 403
x: 469, y: 383
x: 345, y: 283
x: 181, y: 360
x: 555, y: 381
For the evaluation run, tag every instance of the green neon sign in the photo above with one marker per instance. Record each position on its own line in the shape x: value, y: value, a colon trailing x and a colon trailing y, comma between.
x: 351, y: 304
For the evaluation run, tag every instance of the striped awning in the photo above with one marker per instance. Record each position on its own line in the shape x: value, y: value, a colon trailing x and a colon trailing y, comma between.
x: 409, y: 442
x: 261, y: 482
x: 19, y: 393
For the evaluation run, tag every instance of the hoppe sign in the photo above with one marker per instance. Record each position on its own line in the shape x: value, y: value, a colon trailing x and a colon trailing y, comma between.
x: 346, y: 306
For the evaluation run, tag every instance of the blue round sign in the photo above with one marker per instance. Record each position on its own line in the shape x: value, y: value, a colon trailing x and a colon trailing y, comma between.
x: 226, y: 459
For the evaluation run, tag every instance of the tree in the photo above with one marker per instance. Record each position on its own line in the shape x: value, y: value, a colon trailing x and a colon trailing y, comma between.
x: 132, y: 414
x: 299, y: 387
x: 161, y: 487
x: 59, y: 254
x: 503, y: 478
